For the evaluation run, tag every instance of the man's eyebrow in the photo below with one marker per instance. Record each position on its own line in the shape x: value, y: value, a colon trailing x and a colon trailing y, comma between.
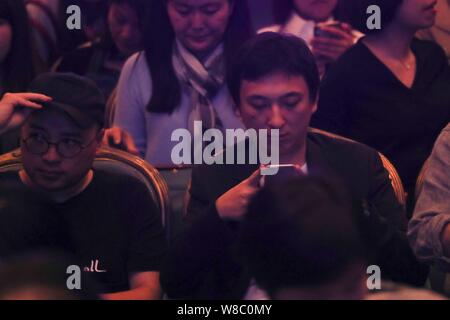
x: 257, y: 96
x: 66, y: 134
x: 292, y: 94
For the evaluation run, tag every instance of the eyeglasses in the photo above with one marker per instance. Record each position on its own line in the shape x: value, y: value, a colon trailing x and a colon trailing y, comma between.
x: 66, y: 148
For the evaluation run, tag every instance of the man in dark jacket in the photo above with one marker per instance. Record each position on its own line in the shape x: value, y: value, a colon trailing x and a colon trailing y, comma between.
x: 274, y: 82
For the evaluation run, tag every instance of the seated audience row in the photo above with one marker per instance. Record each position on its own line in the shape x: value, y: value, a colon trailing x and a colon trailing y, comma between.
x: 274, y: 82
x: 102, y: 59
x: 389, y: 91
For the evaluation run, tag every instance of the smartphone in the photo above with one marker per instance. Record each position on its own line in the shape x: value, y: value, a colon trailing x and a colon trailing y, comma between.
x: 320, y: 32
x: 285, y: 173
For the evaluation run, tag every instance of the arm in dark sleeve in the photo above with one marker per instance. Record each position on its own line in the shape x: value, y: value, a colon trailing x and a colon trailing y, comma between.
x: 148, y: 242
x: 386, y: 230
x: 190, y: 268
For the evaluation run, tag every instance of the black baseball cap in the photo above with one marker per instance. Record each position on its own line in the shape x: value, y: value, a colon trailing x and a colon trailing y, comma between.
x: 77, y: 96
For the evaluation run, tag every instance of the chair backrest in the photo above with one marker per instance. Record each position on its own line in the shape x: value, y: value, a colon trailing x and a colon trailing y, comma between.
x: 421, y: 178
x: 115, y: 161
x: 111, y: 109
x: 393, y: 174
x: 177, y: 179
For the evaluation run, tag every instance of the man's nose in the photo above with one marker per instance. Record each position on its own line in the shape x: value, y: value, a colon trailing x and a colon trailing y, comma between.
x: 197, y: 20
x: 51, y: 155
x: 276, y: 118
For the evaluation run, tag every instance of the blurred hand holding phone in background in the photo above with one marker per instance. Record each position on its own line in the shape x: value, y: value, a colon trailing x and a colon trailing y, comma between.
x: 331, y: 40
x: 285, y: 172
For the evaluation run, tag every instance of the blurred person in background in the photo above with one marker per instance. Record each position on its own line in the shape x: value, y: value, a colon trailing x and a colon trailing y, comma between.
x: 42, y: 275
x: 429, y: 228
x: 102, y: 59
x: 17, y: 67
x: 179, y: 78
x: 52, y: 37
x: 312, y: 247
x: 440, y: 32
x: 391, y: 90
x: 316, y: 23
x: 308, y: 247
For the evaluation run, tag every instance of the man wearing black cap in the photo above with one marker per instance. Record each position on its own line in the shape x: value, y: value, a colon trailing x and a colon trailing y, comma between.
x: 107, y: 222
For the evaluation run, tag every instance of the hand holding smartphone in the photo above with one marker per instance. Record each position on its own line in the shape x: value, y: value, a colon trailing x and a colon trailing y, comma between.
x: 321, y: 30
x: 285, y: 173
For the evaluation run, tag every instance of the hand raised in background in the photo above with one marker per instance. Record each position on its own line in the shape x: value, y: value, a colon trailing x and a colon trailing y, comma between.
x: 15, y: 108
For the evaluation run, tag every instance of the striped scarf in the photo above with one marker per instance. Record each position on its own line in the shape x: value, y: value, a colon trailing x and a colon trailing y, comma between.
x: 204, y: 82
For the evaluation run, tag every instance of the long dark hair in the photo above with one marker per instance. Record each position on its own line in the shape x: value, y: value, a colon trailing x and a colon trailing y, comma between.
x: 159, y: 39
x: 139, y: 6
x: 282, y: 10
x: 18, y: 66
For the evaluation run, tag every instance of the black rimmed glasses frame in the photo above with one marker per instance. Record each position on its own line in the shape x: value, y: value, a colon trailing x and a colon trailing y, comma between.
x: 42, y: 146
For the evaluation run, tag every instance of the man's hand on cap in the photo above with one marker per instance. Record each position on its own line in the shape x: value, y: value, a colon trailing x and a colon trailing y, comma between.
x: 15, y: 108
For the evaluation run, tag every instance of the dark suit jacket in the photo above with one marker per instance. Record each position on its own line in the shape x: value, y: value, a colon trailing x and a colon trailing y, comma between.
x: 203, y: 264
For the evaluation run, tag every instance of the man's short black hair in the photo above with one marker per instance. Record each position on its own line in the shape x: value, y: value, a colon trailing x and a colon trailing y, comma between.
x: 301, y: 233
x: 268, y: 53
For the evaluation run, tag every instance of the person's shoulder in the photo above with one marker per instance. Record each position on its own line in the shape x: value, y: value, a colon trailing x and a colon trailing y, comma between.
x: 336, y: 145
x: 139, y: 58
x: 443, y: 141
x: 272, y: 28
x: 136, y: 70
x: 351, y: 64
x: 8, y: 177
x: 136, y: 62
x: 427, y: 47
x: 358, y: 51
x: 118, y: 182
x: 445, y: 134
x: 446, y: 129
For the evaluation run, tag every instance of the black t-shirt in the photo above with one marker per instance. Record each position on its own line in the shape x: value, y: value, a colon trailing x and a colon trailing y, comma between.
x: 113, y: 227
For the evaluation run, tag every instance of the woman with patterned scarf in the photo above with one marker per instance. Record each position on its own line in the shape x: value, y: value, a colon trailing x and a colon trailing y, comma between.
x: 180, y: 77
